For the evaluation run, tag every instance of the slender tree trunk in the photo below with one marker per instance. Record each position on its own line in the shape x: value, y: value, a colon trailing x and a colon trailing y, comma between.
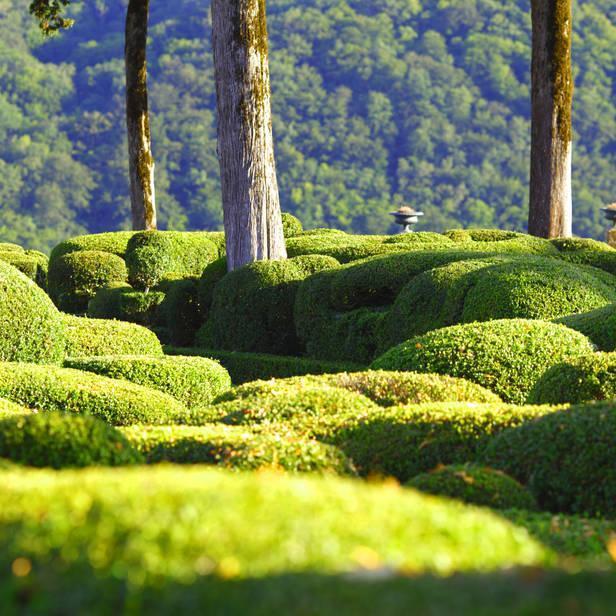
x: 140, y: 159
x: 251, y: 203
x: 550, y: 211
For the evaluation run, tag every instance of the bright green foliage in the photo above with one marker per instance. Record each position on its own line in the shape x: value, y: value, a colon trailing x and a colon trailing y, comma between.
x: 120, y: 403
x: 8, y: 247
x: 62, y: 441
x: 342, y: 247
x: 494, y: 288
x: 566, y: 459
x: 506, y: 356
x: 152, y: 256
x: 235, y: 448
x: 246, y: 367
x: 291, y: 225
x: 10, y: 409
x: 252, y: 307
x: 75, y: 277
x: 88, y: 337
x: 121, y: 301
x: 475, y: 485
x: 403, y: 442
x: 599, y: 325
x: 31, y: 328
x: 32, y: 263
x: 583, y: 379
x: 194, y: 381
x: 115, y: 243
x: 588, y: 252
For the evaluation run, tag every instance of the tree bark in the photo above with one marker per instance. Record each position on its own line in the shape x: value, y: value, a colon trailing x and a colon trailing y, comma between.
x: 251, y: 202
x: 140, y: 159
x: 550, y: 209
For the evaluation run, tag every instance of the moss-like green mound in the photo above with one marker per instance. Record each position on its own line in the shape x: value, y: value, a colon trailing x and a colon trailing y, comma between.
x: 341, y: 246
x: 475, y: 485
x: 74, y: 278
x: 121, y: 301
x: 252, y: 307
x: 194, y: 381
x: 588, y: 252
x: 291, y: 225
x: 506, y: 356
x: 599, y: 325
x: 32, y: 263
x: 49, y: 388
x: 235, y: 448
x: 114, y: 242
x: 62, y: 441
x: 31, y: 329
x: 88, y: 337
x: 566, y: 459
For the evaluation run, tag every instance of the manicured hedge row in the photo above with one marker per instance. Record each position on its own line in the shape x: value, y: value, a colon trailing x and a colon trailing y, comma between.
x: 88, y: 337
x: 114, y: 242
x: 599, y: 325
x: 121, y: 301
x: 49, y: 388
x: 588, y: 252
x: 62, y: 441
x: 194, y: 381
x: 235, y: 448
x: 10, y: 409
x: 506, y: 356
x: 32, y: 263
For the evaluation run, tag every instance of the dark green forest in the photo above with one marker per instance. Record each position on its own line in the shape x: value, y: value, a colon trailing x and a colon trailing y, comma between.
x: 376, y: 103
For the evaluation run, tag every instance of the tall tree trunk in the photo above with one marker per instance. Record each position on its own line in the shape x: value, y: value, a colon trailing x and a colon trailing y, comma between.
x: 140, y: 159
x: 550, y: 211
x: 251, y: 203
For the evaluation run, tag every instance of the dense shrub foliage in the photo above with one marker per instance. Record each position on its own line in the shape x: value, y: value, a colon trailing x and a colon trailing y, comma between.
x: 475, y: 485
x: 291, y: 225
x: 62, y: 441
x: 599, y: 325
x: 10, y: 409
x: 194, y: 381
x: 120, y: 403
x: 506, y: 356
x: 114, y: 242
x: 32, y: 263
x: 121, y: 301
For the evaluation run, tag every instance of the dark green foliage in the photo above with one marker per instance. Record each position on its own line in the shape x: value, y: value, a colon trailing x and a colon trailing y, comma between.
x: 342, y: 247
x: 115, y: 243
x: 120, y: 403
x: 32, y: 263
x: 194, y: 381
x: 211, y: 276
x: 494, y: 288
x: 566, y: 459
x: 180, y: 311
x: 506, y: 356
x: 291, y: 225
x: 152, y: 256
x: 586, y: 378
x: 88, y: 337
x: 121, y: 301
x: 475, y: 485
x: 245, y: 367
x: 31, y: 328
x: 64, y: 441
x: 252, y: 307
x: 235, y: 448
x: 599, y: 325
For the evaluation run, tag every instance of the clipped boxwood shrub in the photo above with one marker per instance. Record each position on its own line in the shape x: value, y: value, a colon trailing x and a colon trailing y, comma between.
x: 50, y: 388
x: 75, y: 277
x: 88, y: 337
x: 61, y: 441
x: 211, y: 276
x: 194, y: 381
x: 114, y: 242
x: 501, y: 241
x: 476, y: 485
x: 180, y: 311
x: 10, y: 247
x: 152, y: 256
x: 582, y: 379
x: 341, y: 246
x: 506, y: 356
x: 421, y: 239
x: 494, y: 288
x: 235, y: 448
x: 599, y: 325
x: 32, y: 263
x: 588, y: 252
x: 121, y: 301
x: 10, y: 409
x: 31, y: 328
x: 566, y: 459
x: 291, y: 225
x: 252, y: 307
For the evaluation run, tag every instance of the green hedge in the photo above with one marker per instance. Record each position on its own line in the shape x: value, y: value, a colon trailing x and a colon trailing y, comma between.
x: 342, y: 247
x: 74, y: 278
x: 494, y: 288
x: 152, y: 256
x: 114, y: 242
x: 588, y: 252
x: 88, y: 337
x: 194, y: 381
x: 10, y: 247
x: 10, y: 409
x: 245, y: 367
x: 476, y: 485
x: 121, y: 301
x: 32, y: 263
x: 566, y: 459
x: 31, y: 328
x: 49, y: 388
x: 235, y: 448
x: 252, y: 307
x: 507, y: 357
x: 180, y: 311
x: 62, y: 441
x: 599, y: 325
x: 291, y: 225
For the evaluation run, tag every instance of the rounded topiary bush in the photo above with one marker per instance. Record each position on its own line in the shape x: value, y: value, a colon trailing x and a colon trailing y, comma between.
x: 32, y: 263
x: 505, y: 356
x: 61, y: 441
x: 114, y: 242
x: 88, y: 337
x: 121, y: 301
x: 291, y: 225
x: 599, y: 325
x: 49, y: 388
x: 75, y: 277
x: 475, y: 485
x: 10, y: 409
x: 194, y: 381
x: 587, y: 251
x: 31, y: 328
x: 565, y: 458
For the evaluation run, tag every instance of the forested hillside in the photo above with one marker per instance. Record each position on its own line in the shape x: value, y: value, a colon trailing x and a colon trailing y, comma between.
x: 376, y: 102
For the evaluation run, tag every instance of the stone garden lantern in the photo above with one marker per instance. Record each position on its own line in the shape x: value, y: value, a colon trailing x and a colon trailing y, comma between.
x: 610, y: 214
x: 406, y: 217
